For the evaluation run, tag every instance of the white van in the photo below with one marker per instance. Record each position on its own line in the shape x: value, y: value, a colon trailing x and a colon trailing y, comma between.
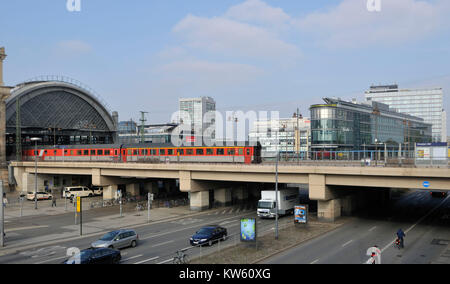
x: 75, y: 191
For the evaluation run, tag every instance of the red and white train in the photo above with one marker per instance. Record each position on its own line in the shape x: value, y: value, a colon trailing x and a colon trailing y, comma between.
x: 247, y: 154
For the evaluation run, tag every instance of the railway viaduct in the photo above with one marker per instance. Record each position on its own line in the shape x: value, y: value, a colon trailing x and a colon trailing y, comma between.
x: 338, y: 189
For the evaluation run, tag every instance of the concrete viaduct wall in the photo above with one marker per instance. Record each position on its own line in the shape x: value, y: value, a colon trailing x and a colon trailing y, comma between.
x: 330, y: 186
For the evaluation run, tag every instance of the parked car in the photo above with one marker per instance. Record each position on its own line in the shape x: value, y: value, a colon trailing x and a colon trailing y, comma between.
x: 75, y: 191
x: 98, y: 190
x: 117, y: 239
x: 40, y: 196
x: 96, y: 256
x: 208, y: 235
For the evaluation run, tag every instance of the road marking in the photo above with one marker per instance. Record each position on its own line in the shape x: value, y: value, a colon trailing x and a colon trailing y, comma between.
x: 25, y: 228
x: 147, y: 260
x: 165, y: 261
x: 315, y: 261
x: 373, y: 228
x: 132, y: 257
x: 347, y: 243
x: 48, y: 260
x: 161, y: 244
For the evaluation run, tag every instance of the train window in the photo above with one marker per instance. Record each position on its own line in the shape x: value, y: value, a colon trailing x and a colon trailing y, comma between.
x: 241, y: 151
x: 248, y: 152
x: 220, y: 151
x: 100, y: 152
x: 45, y: 152
x: 230, y: 152
x: 153, y: 151
x: 209, y: 151
x: 162, y: 152
x: 180, y: 152
x: 170, y: 152
x: 86, y: 152
x: 65, y: 152
x: 92, y: 152
x: 200, y: 152
x: 107, y: 152
x: 145, y: 152
x: 189, y: 152
x: 130, y: 152
x: 135, y: 152
x: 54, y: 152
x: 35, y: 153
x: 115, y: 152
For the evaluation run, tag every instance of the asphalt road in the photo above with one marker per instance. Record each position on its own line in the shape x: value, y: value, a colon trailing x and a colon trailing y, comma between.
x: 425, y: 220
x: 158, y: 242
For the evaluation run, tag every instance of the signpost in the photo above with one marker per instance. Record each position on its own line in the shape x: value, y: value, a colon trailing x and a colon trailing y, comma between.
x: 80, y: 210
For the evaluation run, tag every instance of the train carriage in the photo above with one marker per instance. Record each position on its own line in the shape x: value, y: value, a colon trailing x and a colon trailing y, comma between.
x: 240, y: 153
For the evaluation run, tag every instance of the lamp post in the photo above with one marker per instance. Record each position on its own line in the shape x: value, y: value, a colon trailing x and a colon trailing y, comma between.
x: 276, y: 196
x: 35, y: 139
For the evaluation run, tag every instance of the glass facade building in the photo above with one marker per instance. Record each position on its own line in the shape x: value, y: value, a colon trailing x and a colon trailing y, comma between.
x: 348, y: 126
x: 199, y: 113
x: 426, y: 103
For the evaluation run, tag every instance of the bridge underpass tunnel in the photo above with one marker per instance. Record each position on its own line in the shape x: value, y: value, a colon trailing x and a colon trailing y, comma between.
x: 335, y: 201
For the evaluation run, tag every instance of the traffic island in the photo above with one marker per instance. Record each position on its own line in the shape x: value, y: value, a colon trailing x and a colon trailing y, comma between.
x: 289, y: 236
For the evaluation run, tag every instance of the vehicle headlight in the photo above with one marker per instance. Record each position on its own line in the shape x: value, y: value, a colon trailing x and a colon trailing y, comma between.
x: 191, y: 239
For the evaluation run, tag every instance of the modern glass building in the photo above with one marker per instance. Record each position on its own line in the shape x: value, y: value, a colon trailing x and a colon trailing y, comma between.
x: 426, y: 103
x: 349, y: 126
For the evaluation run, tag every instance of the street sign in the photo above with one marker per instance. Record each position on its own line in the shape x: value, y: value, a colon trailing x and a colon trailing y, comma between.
x: 78, y: 204
x: 426, y: 184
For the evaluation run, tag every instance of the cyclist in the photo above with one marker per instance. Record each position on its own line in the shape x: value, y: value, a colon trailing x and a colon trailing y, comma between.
x: 400, y: 236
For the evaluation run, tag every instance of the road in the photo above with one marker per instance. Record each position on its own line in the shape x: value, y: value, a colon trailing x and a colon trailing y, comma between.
x: 158, y: 242
x: 424, y: 219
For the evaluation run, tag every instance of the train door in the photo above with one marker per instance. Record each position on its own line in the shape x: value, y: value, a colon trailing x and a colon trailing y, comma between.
x: 124, y: 155
x: 247, y: 156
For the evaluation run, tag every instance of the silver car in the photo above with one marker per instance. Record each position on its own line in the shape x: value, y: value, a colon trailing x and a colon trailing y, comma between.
x: 117, y: 240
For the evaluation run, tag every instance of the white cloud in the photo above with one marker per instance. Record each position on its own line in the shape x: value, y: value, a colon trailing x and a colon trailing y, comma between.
x: 228, y: 37
x: 256, y: 11
x: 350, y: 24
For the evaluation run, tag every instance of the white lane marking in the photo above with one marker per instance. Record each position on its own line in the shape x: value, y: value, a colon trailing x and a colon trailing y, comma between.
x: 373, y: 228
x: 25, y: 228
x: 147, y: 260
x: 315, y: 261
x: 347, y: 243
x: 161, y: 244
x: 49, y: 260
x: 165, y: 261
x: 132, y: 257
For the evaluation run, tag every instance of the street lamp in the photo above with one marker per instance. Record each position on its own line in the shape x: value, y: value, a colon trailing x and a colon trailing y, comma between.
x: 35, y: 139
x: 276, y: 196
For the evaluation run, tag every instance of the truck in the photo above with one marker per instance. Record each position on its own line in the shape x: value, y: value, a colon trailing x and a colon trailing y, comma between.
x: 287, y: 199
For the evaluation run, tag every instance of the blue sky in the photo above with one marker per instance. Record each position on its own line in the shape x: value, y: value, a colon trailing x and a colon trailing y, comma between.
x: 143, y: 55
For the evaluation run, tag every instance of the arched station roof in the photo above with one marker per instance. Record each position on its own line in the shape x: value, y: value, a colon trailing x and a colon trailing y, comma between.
x: 57, y: 104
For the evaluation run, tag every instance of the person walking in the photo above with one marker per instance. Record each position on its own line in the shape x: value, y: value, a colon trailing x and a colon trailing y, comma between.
x: 53, y: 201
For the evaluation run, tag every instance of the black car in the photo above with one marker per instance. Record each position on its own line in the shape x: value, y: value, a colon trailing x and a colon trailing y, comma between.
x: 96, y: 256
x: 209, y: 235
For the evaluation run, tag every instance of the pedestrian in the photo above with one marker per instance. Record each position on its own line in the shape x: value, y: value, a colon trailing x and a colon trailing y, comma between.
x: 4, y: 200
x: 400, y: 236
x: 53, y: 201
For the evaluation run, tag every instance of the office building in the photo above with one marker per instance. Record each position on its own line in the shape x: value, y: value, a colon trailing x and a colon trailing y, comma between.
x: 350, y: 126
x: 281, y: 135
x: 426, y: 103
x: 199, y: 115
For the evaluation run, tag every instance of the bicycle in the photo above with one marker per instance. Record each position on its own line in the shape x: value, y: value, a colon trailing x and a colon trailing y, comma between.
x: 180, y: 258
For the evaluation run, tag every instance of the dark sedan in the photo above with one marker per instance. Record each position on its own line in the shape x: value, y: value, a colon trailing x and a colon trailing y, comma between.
x: 96, y: 256
x: 209, y: 235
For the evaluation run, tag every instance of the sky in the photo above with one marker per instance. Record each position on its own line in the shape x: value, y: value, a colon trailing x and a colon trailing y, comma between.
x: 260, y: 55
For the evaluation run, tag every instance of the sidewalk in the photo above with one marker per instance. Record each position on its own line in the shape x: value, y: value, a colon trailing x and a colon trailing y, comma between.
x: 96, y: 225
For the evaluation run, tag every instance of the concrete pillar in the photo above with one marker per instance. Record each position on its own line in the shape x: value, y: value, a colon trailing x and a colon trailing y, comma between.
x: 110, y: 192
x: 223, y: 196
x: 199, y: 200
x: 132, y: 189
x: 328, y: 210
x: 151, y: 187
x: 240, y: 194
